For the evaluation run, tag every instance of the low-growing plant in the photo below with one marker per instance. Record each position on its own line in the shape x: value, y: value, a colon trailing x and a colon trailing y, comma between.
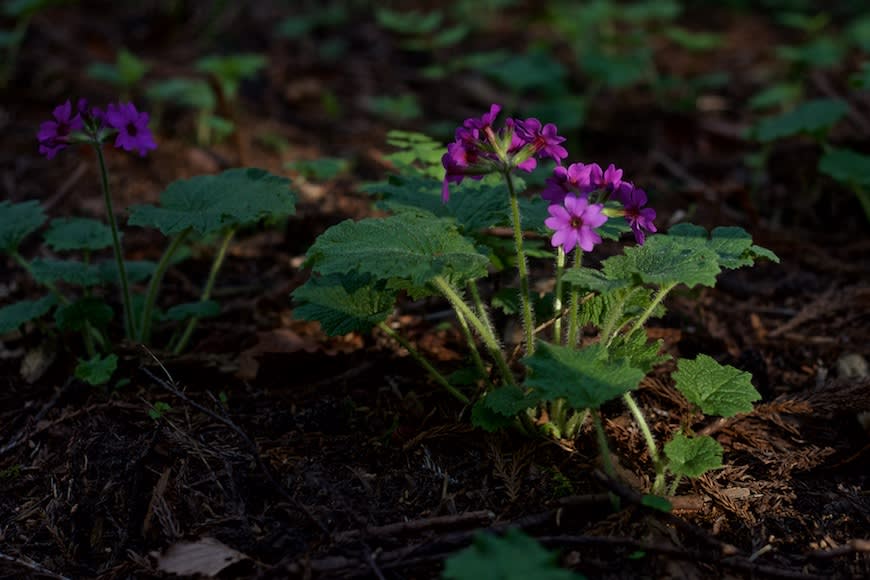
x: 584, y: 344
x: 200, y: 208
x: 124, y: 74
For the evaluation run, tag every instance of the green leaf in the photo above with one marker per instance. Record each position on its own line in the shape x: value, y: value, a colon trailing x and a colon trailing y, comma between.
x: 17, y: 221
x: 514, y: 556
x: 716, y: 389
x: 412, y: 23
x: 508, y: 400
x: 78, y: 234
x: 97, y: 370
x: 665, y: 260
x: 821, y: 53
x: 640, y: 352
x: 321, y: 169
x: 693, y: 456
x: 403, y: 107
x: 846, y: 166
x: 536, y: 70
x: 14, y: 315
x: 593, y: 280
x: 230, y: 70
x: 137, y: 271
x: 474, y: 207
x: 406, y: 246
x: 585, y: 377
x: 693, y: 41
x: 509, y: 301
x: 126, y: 71
x: 76, y: 272
x: 657, y: 503
x: 202, y: 309
x: 815, y: 116
x: 74, y: 316
x: 344, y: 303
x: 485, y: 418
x: 417, y: 153
x: 184, y: 92
x: 210, y: 203
x: 776, y: 96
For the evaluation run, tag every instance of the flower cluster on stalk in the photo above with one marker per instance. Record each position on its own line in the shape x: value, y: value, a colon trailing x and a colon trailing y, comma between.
x: 94, y: 125
x: 481, y: 149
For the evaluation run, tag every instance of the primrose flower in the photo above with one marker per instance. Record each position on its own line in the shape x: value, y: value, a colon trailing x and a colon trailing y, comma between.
x: 607, y: 180
x: 543, y: 139
x: 574, y: 223
x: 54, y: 135
x: 639, y: 218
x: 573, y: 180
x: 132, y: 126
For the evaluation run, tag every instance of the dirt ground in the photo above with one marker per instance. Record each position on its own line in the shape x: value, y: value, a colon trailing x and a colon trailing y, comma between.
x: 297, y: 455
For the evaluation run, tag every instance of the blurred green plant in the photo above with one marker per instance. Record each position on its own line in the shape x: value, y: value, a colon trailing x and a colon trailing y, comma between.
x: 124, y: 74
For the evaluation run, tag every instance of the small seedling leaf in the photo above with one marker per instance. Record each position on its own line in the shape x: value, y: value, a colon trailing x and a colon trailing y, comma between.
x: 14, y: 315
x: 846, y: 166
x: 408, y: 246
x: 717, y: 389
x: 184, y: 92
x: 815, y: 116
x: 76, y: 315
x: 322, y: 169
x: 417, y: 153
x: 78, y: 234
x: 209, y: 203
x: 344, y: 303
x: 17, y: 221
x: 586, y: 378
x: 203, y: 309
x: 485, y: 418
x: 693, y: 456
x: 514, y: 556
x: 509, y: 400
x: 657, y: 503
x: 97, y: 370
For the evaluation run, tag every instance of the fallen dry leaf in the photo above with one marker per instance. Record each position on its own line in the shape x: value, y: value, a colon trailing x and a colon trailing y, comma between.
x: 206, y: 556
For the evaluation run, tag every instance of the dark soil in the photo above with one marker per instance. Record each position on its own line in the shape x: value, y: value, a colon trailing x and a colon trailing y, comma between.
x: 319, y: 457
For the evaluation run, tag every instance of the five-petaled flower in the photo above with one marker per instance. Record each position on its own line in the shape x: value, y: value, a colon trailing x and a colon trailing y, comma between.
x: 639, y: 218
x: 543, y: 139
x: 132, y: 126
x: 54, y: 135
x: 93, y: 125
x: 574, y: 223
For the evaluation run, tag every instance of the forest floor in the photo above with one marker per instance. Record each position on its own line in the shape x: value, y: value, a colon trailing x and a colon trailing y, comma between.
x: 309, y: 456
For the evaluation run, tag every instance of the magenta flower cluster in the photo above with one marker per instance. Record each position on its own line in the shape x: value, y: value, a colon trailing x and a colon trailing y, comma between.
x: 93, y: 125
x: 576, y: 193
x: 480, y: 149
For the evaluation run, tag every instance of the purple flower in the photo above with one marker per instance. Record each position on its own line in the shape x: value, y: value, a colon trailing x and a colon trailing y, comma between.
x: 639, y: 218
x: 485, y: 122
x: 132, y: 126
x: 54, y: 135
x: 608, y: 180
x: 573, y: 180
x: 574, y: 223
x: 543, y: 139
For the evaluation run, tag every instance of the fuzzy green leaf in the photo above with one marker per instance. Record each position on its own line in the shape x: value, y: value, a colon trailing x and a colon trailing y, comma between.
x: 474, y: 206
x: 657, y: 503
x: 593, y: 280
x: 74, y: 316
x: 514, y: 556
x: 812, y: 117
x: 14, y: 315
x: 321, y: 169
x: 344, y: 303
x: 417, y: 153
x: 585, y: 378
x: 508, y: 400
x: 97, y: 370
x: 407, y: 246
x: 640, y: 352
x: 485, y: 418
x: 846, y: 166
x: 74, y: 272
x: 202, y: 309
x: 137, y: 271
x: 78, y: 234
x: 693, y: 456
x: 210, y: 203
x: 716, y: 389
x: 17, y: 221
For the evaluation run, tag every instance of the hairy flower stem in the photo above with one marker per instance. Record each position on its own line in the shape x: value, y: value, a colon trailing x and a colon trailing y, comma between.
x: 469, y: 337
x: 672, y: 489
x: 486, y: 333
x: 154, y: 286
x: 557, y: 300
x: 207, y: 289
x: 129, y: 322
x: 606, y: 459
x: 421, y: 360
x: 522, y: 267
x: 575, y: 421
x: 574, y: 308
x: 659, y: 482
x: 663, y: 291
